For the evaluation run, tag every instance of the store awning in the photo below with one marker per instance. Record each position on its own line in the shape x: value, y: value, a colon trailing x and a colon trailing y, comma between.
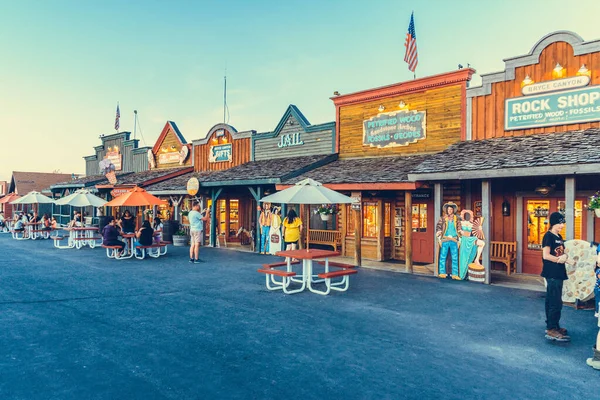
x: 560, y: 153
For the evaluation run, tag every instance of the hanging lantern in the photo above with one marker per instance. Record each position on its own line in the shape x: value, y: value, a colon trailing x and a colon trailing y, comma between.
x: 506, y: 208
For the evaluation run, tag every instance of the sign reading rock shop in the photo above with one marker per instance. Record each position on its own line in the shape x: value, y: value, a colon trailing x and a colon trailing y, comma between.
x: 220, y: 153
x: 560, y: 108
x: 394, y: 129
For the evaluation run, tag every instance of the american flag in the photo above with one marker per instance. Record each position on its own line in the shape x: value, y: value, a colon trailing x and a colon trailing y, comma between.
x: 117, y: 119
x: 411, y: 57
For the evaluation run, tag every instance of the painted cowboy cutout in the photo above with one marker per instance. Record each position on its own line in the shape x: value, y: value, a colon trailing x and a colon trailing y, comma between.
x: 447, y: 232
x: 471, y: 242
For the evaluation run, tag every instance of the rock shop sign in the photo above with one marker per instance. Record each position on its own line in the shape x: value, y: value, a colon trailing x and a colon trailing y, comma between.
x: 394, y: 129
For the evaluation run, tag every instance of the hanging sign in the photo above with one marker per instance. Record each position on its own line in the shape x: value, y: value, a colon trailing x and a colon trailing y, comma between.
x: 220, y: 153
x: 566, y: 107
x: 192, y: 186
x: 399, y: 128
x: 118, y: 192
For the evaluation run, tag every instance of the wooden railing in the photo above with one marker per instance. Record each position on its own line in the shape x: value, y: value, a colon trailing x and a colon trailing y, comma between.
x: 505, y: 253
x: 326, y: 237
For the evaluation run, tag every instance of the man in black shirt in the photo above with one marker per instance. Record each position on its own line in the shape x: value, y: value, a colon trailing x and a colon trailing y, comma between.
x: 554, y: 259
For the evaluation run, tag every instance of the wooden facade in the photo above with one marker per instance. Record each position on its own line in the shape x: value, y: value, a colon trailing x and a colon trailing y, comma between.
x: 219, y: 135
x: 171, y: 150
x: 133, y: 158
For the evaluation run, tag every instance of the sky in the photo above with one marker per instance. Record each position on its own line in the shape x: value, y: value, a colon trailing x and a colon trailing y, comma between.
x: 66, y: 63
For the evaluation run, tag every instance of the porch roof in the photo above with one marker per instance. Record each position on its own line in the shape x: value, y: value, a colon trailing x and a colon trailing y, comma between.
x: 559, y: 153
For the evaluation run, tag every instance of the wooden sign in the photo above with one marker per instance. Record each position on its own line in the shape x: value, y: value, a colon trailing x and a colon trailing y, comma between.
x: 118, y: 192
x: 357, y: 197
x: 115, y: 158
x: 399, y: 128
x: 220, y: 153
x: 192, y: 186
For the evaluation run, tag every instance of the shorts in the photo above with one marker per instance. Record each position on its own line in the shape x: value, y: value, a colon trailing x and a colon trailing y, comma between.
x: 195, y: 237
x: 285, y: 244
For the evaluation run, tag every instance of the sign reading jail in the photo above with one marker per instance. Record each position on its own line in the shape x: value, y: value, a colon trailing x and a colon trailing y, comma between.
x: 561, y: 108
x: 220, y: 153
x: 399, y: 128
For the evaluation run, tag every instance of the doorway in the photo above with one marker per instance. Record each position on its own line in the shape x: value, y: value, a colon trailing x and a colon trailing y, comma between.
x: 422, y: 231
x: 536, y: 223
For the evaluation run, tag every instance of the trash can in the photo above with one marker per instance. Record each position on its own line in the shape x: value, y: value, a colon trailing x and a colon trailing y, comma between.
x: 169, y: 228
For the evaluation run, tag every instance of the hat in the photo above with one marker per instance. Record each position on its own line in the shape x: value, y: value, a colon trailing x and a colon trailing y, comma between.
x: 556, y: 218
x: 450, y: 204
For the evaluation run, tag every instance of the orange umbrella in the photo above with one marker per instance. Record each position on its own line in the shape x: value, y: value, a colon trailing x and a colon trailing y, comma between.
x: 136, y: 197
x: 9, y: 198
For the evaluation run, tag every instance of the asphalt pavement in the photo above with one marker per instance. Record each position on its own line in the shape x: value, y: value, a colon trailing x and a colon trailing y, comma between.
x: 76, y: 325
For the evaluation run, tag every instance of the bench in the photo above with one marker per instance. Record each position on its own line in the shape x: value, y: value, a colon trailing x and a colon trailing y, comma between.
x: 505, y: 253
x: 326, y: 237
x: 15, y: 234
x: 279, y: 264
x: 156, y: 254
x: 43, y: 233
x: 272, y: 284
x: 336, y: 264
x: 113, y: 252
x: 340, y: 286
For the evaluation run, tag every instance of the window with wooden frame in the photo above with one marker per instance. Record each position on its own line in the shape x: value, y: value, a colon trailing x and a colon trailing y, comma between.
x: 387, y: 216
x: 370, y: 219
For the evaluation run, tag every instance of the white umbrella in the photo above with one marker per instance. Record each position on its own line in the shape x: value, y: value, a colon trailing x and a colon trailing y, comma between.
x: 308, y: 191
x: 33, y: 198
x: 81, y: 198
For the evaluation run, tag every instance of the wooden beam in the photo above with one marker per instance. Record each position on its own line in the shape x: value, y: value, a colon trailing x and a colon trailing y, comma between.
x: 519, y: 217
x: 257, y: 225
x: 357, y: 236
x: 365, y: 186
x: 408, y: 249
x: 380, y: 231
x: 486, y: 202
x: 438, y: 197
x: 570, y: 207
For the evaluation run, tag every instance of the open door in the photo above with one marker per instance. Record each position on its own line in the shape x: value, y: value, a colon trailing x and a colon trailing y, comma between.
x: 423, y: 228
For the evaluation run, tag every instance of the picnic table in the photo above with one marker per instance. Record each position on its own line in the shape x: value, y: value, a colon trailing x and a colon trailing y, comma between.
x: 307, y: 278
x: 78, y: 237
x: 155, y: 250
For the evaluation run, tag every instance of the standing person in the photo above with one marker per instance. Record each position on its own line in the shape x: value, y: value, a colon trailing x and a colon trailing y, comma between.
x: 292, y: 227
x: 110, y: 235
x: 554, y: 259
x: 158, y: 227
x: 447, y: 231
x: 275, y: 232
x: 265, y: 226
x: 197, y: 220
x: 128, y: 222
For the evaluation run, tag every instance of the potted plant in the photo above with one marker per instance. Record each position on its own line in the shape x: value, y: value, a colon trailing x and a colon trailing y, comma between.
x: 327, y: 210
x: 594, y: 204
x: 180, y: 238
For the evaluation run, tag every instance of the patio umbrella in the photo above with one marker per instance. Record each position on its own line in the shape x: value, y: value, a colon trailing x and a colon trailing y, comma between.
x: 136, y: 197
x: 308, y: 191
x: 81, y: 198
x: 33, y: 198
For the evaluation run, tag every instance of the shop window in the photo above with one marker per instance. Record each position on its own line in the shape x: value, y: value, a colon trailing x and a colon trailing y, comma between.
x: 537, y: 222
x: 387, y: 216
x: 351, y: 218
x: 578, y: 218
x: 369, y: 219
x: 419, y: 217
x: 233, y: 217
x: 222, y: 213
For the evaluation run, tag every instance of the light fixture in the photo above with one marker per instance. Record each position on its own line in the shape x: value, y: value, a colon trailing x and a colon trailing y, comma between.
x: 559, y: 72
x: 381, y: 108
x: 402, y: 105
x: 505, y: 208
x: 527, y: 81
x: 336, y: 93
x: 583, y: 71
x: 544, y: 189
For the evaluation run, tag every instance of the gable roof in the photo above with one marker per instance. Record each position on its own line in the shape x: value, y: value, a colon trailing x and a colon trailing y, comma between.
x: 24, y: 182
x: 293, y: 111
x: 170, y: 125
x: 560, y: 153
x: 87, y: 181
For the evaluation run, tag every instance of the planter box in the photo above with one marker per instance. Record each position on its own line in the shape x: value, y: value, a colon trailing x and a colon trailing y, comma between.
x: 181, y: 240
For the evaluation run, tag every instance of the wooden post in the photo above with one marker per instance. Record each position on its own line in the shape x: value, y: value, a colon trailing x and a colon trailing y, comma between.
x: 357, y: 236
x: 438, y: 197
x: 380, y: 231
x: 486, y: 203
x: 570, y: 207
x: 408, y: 250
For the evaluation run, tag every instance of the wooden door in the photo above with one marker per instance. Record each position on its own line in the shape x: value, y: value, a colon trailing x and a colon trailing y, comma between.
x: 536, y: 223
x: 423, y: 229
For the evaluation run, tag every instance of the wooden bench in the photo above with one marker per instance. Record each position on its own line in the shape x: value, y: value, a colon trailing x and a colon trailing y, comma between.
x: 326, y: 237
x: 505, y: 253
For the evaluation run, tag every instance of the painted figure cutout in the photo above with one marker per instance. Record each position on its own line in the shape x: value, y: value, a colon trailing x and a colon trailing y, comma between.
x: 447, y: 232
x: 471, y: 242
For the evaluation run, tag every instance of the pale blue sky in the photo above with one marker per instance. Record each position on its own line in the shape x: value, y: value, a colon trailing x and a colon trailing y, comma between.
x: 66, y: 63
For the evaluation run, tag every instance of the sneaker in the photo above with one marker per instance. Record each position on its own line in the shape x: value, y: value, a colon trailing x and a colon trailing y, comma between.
x: 554, y: 334
x: 563, y: 331
x: 443, y: 276
x: 198, y: 261
x: 191, y: 260
x: 455, y: 277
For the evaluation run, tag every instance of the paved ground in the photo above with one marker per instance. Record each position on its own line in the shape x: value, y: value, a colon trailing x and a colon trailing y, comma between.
x: 76, y: 325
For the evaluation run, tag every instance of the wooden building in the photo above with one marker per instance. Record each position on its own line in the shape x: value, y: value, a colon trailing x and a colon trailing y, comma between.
x: 381, y: 135
x: 530, y: 147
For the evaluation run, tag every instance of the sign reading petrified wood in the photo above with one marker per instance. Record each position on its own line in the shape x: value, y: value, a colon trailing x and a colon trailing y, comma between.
x: 392, y: 129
